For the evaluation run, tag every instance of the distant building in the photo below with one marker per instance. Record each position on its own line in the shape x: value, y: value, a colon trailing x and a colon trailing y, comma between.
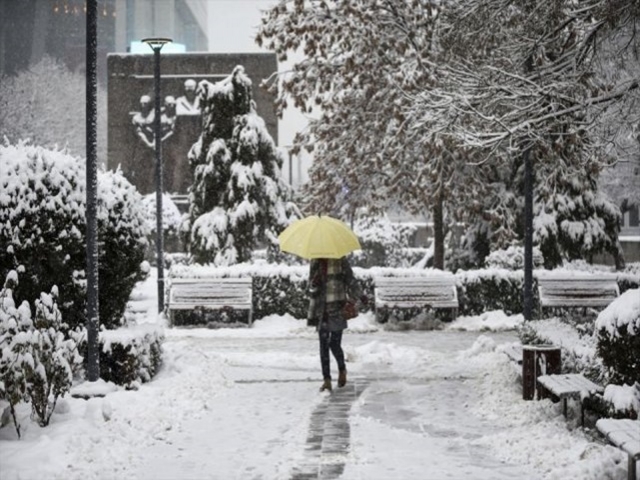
x: 30, y: 29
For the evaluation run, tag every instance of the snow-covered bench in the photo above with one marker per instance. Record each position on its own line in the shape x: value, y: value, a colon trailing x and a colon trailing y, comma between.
x: 437, y: 291
x: 624, y: 434
x: 574, y: 291
x: 569, y: 385
x: 221, y: 300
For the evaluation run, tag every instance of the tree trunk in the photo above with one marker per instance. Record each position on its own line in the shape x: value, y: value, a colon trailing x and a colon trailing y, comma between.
x: 438, y: 233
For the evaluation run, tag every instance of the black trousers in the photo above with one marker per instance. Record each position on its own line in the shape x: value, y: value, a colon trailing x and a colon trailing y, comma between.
x: 330, y: 341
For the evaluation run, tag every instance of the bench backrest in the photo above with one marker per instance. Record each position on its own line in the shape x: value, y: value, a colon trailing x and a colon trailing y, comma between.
x: 437, y: 291
x: 210, y: 293
x: 577, y: 291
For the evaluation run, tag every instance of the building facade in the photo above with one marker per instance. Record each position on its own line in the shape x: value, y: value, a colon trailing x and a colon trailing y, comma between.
x: 31, y: 29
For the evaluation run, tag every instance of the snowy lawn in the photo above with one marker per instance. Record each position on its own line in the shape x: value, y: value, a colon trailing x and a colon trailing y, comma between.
x: 244, y: 404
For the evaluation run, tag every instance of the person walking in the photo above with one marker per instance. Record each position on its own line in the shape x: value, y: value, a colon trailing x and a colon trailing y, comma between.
x: 331, y: 284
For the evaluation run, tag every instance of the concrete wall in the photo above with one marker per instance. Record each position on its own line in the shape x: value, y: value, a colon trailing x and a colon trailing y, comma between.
x: 131, y: 76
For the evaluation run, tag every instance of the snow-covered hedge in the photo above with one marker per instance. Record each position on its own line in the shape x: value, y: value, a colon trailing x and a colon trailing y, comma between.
x: 618, y: 336
x: 481, y: 291
x: 42, y: 231
x: 130, y: 356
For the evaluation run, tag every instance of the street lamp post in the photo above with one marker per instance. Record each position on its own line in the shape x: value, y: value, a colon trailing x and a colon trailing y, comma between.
x: 156, y: 45
x: 528, y: 235
x: 93, y: 315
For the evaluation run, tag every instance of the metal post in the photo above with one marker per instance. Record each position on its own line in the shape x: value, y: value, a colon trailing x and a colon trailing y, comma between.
x: 93, y: 315
x: 156, y: 44
x: 528, y: 236
x: 159, y: 185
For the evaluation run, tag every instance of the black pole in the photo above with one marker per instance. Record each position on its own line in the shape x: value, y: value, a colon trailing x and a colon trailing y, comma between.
x: 93, y: 319
x: 159, y: 186
x: 528, y: 236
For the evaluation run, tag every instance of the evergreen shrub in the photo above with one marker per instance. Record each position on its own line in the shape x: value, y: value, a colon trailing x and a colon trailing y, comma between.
x: 129, y: 356
x: 492, y: 289
x: 37, y: 360
x: 618, y: 338
x: 384, y: 244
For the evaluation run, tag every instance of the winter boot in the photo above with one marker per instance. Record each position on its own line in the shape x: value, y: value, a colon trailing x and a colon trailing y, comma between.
x: 326, y: 385
x: 342, y: 378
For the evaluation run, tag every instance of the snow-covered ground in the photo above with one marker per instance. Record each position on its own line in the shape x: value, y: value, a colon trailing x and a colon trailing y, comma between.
x: 244, y: 404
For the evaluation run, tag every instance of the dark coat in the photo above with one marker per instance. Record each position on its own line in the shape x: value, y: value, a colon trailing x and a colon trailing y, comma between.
x: 331, y: 283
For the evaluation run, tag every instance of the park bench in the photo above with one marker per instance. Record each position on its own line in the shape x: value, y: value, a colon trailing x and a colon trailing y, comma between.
x: 210, y: 300
x: 624, y: 434
x: 571, y: 291
x: 569, y: 385
x: 437, y: 291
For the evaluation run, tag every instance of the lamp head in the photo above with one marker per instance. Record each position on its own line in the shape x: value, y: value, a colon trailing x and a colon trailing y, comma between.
x: 156, y: 43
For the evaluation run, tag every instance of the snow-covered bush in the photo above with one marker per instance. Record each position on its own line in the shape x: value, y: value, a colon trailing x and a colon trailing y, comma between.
x: 42, y: 231
x: 576, y: 222
x: 171, y: 223
x: 512, y: 258
x: 238, y: 199
x: 55, y: 355
x: 15, y: 347
x: 574, y: 337
x: 383, y: 243
x: 618, y: 335
x: 129, y: 356
x: 491, y: 289
x: 37, y: 360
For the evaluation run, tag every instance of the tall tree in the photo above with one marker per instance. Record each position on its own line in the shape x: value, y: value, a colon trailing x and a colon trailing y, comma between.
x: 530, y: 83
x: 363, y: 61
x: 238, y: 198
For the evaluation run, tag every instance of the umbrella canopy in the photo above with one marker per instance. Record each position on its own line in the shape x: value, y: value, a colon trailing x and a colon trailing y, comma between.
x: 318, y: 236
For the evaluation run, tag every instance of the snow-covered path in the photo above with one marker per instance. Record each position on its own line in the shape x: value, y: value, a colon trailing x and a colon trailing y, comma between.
x: 244, y: 404
x: 386, y: 424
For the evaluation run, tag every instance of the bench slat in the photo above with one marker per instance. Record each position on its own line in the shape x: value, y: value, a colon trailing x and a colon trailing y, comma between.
x: 624, y: 433
x: 577, y: 292
x: 435, y: 291
x: 568, y: 385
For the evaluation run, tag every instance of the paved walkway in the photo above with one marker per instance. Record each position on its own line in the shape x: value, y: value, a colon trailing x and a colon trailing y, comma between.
x: 329, y: 440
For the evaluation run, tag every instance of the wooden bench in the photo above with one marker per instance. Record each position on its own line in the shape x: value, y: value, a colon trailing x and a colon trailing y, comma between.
x: 437, y: 291
x: 571, y: 291
x: 210, y: 300
x: 624, y: 434
x: 569, y: 385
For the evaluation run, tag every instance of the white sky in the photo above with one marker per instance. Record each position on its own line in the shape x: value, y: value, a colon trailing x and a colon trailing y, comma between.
x: 232, y: 28
x: 233, y: 24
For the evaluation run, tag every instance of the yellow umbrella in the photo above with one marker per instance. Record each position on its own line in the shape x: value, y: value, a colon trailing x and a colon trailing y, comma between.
x: 318, y: 236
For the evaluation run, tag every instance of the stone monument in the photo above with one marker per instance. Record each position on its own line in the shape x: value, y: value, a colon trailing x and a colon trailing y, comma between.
x: 131, y: 110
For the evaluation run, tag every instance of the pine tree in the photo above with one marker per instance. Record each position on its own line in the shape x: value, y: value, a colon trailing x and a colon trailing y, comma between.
x: 238, y: 199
